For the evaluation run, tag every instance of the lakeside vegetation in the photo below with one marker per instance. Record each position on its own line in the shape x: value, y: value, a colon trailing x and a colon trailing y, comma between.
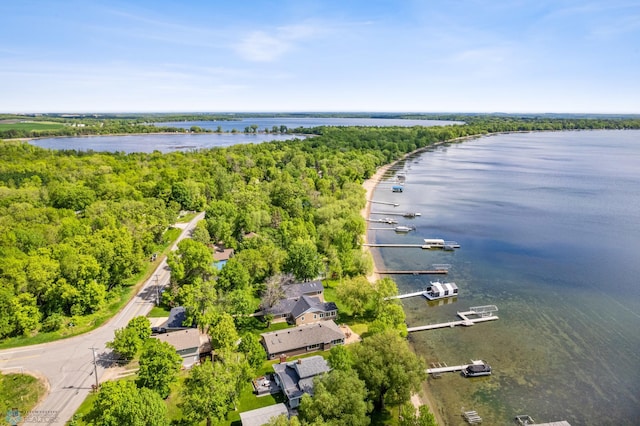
x: 76, y: 229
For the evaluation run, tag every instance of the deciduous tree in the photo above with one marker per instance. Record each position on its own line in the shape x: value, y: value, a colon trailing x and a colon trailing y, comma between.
x: 159, y: 366
x: 389, y: 368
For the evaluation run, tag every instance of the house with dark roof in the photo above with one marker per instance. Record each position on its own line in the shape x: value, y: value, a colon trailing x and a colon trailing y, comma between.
x: 177, y: 316
x: 296, y: 378
x: 303, y: 303
x: 319, y: 336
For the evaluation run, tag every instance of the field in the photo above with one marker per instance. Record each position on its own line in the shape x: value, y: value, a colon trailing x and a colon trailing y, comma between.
x: 29, y: 125
x: 19, y: 392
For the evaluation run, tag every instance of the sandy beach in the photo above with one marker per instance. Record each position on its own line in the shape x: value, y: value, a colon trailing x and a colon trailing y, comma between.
x: 424, y: 398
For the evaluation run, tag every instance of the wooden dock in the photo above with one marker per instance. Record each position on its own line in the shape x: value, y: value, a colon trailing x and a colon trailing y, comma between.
x: 420, y: 246
x: 384, y: 202
x: 478, y: 314
x: 452, y: 368
x: 419, y: 272
x: 406, y: 295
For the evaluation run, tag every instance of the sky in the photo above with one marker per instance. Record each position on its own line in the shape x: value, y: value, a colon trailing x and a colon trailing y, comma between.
x: 516, y: 56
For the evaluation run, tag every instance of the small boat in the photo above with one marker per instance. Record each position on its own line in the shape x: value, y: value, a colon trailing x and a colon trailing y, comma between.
x: 404, y: 229
x: 388, y: 220
x: 411, y: 215
x: 477, y: 369
x: 397, y: 188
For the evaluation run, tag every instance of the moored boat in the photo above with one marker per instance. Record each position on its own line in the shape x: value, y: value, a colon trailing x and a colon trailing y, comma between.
x: 477, y: 369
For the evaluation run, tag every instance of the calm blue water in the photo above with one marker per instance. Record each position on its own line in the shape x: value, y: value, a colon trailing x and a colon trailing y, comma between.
x: 189, y: 142
x: 156, y: 142
x: 549, y: 225
x: 293, y: 122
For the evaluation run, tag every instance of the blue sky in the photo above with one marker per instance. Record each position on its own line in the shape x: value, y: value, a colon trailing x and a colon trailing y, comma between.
x: 373, y: 55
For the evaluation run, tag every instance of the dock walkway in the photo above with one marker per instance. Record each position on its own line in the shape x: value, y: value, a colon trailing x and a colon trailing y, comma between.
x: 453, y: 368
x: 478, y: 314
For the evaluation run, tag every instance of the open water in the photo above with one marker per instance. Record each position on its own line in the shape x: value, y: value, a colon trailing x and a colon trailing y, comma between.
x: 549, y: 225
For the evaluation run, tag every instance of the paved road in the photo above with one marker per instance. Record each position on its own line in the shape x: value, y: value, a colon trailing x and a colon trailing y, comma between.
x: 68, y: 364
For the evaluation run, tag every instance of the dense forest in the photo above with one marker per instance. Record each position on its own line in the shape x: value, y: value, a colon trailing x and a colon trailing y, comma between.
x: 74, y: 226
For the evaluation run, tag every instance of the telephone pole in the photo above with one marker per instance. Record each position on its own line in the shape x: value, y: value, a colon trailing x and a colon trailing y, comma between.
x: 157, y: 291
x: 95, y: 367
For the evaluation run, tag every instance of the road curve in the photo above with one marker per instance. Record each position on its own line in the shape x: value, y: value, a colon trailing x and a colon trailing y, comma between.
x: 68, y: 364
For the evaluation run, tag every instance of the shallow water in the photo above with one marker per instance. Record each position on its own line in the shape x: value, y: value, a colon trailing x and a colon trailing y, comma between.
x: 549, y: 225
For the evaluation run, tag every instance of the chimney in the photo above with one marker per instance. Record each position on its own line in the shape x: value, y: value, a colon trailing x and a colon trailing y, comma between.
x: 299, y: 361
x: 283, y: 358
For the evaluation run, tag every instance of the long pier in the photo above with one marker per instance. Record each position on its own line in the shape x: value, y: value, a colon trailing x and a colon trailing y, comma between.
x: 482, y: 313
x: 417, y: 272
x: 420, y: 246
x: 453, y: 368
x: 384, y: 202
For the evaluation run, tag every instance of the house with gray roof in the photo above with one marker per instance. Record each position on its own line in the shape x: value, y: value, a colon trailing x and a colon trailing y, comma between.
x: 303, y: 303
x: 262, y: 416
x: 306, y: 338
x: 188, y: 344
x: 296, y: 378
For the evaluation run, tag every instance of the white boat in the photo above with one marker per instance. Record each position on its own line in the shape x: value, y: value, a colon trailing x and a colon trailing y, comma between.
x: 404, y: 229
x: 411, y: 214
x: 438, y: 290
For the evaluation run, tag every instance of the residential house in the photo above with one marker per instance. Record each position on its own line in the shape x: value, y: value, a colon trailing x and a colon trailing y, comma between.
x: 296, y: 378
x: 262, y: 416
x: 306, y: 338
x: 221, y: 255
x: 189, y: 344
x: 303, y: 303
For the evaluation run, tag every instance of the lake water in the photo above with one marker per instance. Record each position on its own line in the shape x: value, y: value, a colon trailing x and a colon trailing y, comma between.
x: 155, y: 142
x: 193, y: 141
x: 549, y: 225
x: 295, y: 122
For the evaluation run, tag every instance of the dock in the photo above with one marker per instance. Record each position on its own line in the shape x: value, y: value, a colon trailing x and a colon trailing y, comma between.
x: 452, y: 368
x: 468, y: 318
x: 420, y: 246
x: 417, y: 272
x: 384, y: 202
x: 406, y: 295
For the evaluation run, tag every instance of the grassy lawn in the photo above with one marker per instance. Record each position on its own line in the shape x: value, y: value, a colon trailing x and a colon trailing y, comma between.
x: 19, y: 391
x: 82, y: 324
x: 158, y: 312
x: 31, y: 125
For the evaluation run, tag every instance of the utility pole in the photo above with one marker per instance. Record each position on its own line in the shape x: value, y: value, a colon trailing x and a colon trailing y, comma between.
x: 157, y: 291
x: 95, y: 367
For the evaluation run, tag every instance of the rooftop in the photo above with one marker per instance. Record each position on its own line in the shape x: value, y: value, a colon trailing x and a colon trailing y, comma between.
x: 260, y: 416
x: 182, y: 339
x: 302, y: 336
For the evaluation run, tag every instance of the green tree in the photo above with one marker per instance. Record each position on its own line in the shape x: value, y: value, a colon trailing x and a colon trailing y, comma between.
x: 339, y: 398
x: 355, y: 294
x: 121, y: 403
x: 129, y: 340
x: 303, y: 260
x: 191, y: 261
x: 222, y: 331
x: 125, y: 343
x: 141, y: 326
x: 408, y: 416
x: 203, y: 397
x: 389, y: 368
x: 252, y: 349
x: 340, y: 358
x: 390, y: 316
x: 159, y: 366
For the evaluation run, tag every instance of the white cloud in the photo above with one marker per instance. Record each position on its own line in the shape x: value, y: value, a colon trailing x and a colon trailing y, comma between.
x: 268, y: 46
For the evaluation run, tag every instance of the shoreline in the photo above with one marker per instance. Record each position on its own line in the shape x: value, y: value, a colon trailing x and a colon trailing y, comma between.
x: 369, y: 185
